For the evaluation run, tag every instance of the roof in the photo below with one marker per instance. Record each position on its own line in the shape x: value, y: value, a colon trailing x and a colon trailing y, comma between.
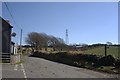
x: 6, y: 22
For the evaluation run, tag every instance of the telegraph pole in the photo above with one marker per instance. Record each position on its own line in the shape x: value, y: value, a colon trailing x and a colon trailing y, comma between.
x: 21, y: 41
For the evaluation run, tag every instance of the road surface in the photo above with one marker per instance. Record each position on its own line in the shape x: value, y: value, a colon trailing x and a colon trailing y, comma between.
x: 40, y: 68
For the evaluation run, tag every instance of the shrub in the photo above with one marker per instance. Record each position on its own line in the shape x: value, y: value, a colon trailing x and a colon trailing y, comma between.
x: 117, y: 64
x: 106, y: 61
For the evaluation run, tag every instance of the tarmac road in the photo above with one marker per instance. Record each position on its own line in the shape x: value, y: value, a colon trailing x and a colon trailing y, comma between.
x: 40, y: 68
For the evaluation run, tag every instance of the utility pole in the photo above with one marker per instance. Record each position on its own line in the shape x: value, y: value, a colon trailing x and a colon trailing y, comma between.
x: 21, y: 41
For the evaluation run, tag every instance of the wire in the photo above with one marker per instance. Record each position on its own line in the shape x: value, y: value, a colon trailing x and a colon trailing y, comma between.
x: 14, y: 22
x: 11, y: 15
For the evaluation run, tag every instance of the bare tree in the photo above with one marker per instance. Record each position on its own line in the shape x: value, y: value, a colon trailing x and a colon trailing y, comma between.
x: 33, y: 39
x: 42, y: 40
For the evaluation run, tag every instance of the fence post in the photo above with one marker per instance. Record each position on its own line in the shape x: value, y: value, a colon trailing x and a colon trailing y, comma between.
x: 105, y: 49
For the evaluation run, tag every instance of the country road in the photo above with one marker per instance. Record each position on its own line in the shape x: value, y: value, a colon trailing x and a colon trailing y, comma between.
x: 40, y: 68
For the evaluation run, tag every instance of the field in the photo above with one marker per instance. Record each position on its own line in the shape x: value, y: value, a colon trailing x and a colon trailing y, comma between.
x: 112, y: 50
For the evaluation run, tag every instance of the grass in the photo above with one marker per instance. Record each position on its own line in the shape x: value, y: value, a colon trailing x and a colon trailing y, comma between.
x: 108, y: 69
x: 98, y: 51
x: 112, y: 50
x: 19, y: 62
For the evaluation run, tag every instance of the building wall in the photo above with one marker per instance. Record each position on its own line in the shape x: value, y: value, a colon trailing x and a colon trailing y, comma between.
x: 6, y: 37
x: 0, y: 35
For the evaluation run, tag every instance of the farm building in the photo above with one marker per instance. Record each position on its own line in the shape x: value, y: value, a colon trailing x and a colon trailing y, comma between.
x: 6, y: 40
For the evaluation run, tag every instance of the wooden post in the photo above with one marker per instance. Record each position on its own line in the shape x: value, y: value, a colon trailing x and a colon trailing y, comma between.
x: 105, y: 49
x: 19, y: 56
x: 21, y: 42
